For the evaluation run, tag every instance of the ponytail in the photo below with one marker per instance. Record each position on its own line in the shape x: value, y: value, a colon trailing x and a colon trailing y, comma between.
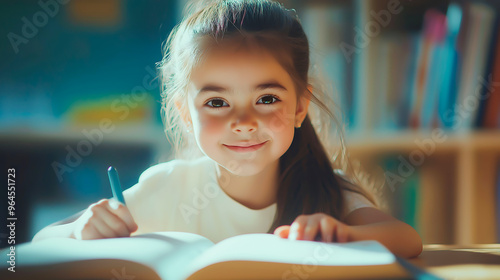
x: 307, y: 182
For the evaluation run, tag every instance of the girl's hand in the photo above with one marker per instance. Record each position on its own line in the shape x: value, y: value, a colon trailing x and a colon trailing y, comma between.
x: 306, y: 227
x: 106, y: 218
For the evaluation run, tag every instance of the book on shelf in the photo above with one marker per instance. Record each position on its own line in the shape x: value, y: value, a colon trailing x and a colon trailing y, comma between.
x: 180, y: 255
x: 361, y: 82
x: 403, y: 191
x: 435, y: 33
x: 445, y: 66
x: 385, y: 80
x: 410, y: 197
x: 450, y: 61
x: 490, y: 115
x: 426, y: 49
x: 478, y: 36
x: 410, y: 70
x: 327, y: 26
x: 399, y: 60
x: 497, y: 191
x: 484, y: 83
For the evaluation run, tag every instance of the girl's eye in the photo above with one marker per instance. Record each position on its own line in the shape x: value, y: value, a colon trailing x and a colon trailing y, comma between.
x: 268, y: 99
x: 216, y: 103
x: 219, y: 103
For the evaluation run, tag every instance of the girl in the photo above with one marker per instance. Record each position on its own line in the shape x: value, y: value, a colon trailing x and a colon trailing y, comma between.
x: 236, y: 95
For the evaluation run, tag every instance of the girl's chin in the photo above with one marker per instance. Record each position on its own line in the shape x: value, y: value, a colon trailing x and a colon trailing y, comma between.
x: 245, y: 168
x: 245, y: 173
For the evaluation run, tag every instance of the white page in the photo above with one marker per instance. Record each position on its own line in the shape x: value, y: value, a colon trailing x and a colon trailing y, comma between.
x: 166, y: 252
x: 271, y: 248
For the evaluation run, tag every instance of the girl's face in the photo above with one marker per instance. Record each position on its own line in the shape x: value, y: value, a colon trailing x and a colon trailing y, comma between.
x: 243, y: 98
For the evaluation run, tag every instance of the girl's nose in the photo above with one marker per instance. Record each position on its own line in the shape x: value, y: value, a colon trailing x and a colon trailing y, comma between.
x: 244, y: 128
x: 244, y: 124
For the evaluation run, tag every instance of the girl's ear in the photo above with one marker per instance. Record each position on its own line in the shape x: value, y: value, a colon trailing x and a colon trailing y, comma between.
x: 184, y: 113
x: 302, y: 107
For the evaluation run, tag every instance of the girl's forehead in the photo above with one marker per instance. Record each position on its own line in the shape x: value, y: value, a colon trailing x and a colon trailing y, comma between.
x: 237, y: 49
x: 236, y: 57
x: 243, y: 65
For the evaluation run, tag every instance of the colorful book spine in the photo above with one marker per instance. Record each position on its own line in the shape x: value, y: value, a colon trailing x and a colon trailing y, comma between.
x: 451, y: 67
x: 423, y: 67
x: 479, y: 36
x: 491, y: 117
x: 361, y: 72
x: 417, y: 90
x: 409, y: 86
x: 498, y: 202
x: 411, y: 198
x: 436, y: 31
x: 484, y: 83
x: 403, y: 192
x: 400, y: 60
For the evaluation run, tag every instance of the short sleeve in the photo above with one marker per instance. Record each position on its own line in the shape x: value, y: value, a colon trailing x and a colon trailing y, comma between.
x: 353, y: 201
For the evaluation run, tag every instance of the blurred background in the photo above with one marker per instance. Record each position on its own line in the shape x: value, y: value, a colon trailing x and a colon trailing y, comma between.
x: 418, y: 83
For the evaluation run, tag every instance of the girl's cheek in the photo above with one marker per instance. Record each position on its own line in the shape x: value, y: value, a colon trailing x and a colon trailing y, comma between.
x: 210, y: 124
x: 211, y: 131
x: 281, y: 119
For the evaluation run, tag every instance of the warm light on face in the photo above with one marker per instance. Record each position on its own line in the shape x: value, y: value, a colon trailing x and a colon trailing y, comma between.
x: 242, y: 106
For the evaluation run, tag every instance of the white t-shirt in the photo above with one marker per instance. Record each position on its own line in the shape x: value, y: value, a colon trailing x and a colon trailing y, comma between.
x: 184, y: 195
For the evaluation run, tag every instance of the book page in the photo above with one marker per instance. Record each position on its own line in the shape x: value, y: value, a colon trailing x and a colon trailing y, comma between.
x: 266, y: 256
x: 165, y: 252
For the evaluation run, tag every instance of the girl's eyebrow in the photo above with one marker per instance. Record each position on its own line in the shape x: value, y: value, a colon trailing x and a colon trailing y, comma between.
x: 220, y: 89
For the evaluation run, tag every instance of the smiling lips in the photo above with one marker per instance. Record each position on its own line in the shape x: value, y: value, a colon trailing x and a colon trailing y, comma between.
x: 246, y: 148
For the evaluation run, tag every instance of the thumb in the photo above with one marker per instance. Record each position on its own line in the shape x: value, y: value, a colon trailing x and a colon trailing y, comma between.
x: 282, y: 231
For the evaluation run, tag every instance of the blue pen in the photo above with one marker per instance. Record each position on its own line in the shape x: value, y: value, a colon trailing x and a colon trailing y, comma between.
x: 115, y: 185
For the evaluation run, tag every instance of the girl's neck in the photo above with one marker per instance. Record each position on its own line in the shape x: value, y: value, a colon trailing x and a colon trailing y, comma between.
x: 255, y: 192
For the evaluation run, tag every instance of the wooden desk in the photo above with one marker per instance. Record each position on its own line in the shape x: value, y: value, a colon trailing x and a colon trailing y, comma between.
x: 481, y: 261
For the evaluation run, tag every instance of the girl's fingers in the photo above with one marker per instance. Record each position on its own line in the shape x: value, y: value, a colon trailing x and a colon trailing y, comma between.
x: 306, y: 227
x: 297, y: 228
x: 113, y: 226
x: 108, y: 223
x: 123, y: 213
x: 87, y: 232
x: 326, y: 226
x: 311, y: 228
x: 342, y: 233
x: 282, y: 231
x: 102, y: 229
x: 104, y: 219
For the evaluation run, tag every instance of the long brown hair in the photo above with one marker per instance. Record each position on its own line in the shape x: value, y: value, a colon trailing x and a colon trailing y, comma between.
x: 307, y: 182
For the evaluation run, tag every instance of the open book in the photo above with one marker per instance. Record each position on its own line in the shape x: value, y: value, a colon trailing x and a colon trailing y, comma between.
x: 180, y: 255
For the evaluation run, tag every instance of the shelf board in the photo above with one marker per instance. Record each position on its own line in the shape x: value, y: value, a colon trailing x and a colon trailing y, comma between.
x: 124, y: 134
x: 405, y: 141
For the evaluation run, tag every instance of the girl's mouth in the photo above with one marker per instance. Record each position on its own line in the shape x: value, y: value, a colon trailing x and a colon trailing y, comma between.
x: 241, y: 149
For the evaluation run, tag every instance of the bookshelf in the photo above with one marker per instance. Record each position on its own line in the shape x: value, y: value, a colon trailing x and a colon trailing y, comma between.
x: 458, y: 202
x: 456, y: 183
